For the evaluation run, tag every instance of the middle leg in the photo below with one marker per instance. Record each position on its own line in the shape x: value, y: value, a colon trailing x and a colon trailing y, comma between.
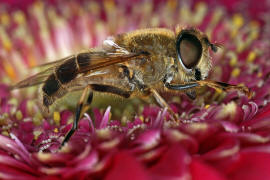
x: 161, y: 102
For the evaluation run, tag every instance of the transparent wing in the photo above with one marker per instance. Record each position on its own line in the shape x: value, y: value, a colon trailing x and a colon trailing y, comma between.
x: 89, y: 60
x: 34, y: 80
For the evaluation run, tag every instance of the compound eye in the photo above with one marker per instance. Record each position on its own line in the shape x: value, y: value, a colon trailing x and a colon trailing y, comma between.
x: 189, y: 50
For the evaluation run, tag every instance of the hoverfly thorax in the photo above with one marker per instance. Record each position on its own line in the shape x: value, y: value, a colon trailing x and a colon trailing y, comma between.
x: 192, y: 48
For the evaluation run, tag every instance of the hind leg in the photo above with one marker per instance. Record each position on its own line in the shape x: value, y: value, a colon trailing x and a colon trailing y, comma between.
x: 80, y: 109
x: 85, y: 101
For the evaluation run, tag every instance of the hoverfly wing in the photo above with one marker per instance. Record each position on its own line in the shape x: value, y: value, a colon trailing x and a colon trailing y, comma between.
x: 99, y: 60
x: 34, y: 80
x: 53, y: 63
x: 86, y: 61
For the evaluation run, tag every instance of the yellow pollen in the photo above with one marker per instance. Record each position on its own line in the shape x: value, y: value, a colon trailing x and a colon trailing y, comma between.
x: 259, y: 74
x: 201, y: 10
x: 36, y: 134
x: 206, y: 106
x: 19, y: 17
x: 56, y: 118
x: 5, y: 133
x: 233, y: 61
x: 238, y: 20
x: 56, y: 130
x: 37, y: 119
x: 251, y: 56
x: 240, y: 45
x: 38, y: 5
x: 235, y: 72
x: 9, y: 70
x: 237, y: 23
x: 172, y: 4
x: 31, y: 60
x: 219, y: 91
x: 228, y: 110
x: 5, y: 19
x: 141, y: 118
x: 7, y: 44
x: 29, y: 107
x: 109, y: 5
x: 19, y: 115
x: 254, y: 32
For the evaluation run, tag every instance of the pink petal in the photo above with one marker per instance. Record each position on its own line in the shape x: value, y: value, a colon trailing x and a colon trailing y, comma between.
x: 125, y: 166
x: 200, y: 170
x: 172, y: 165
x: 148, y: 139
x: 176, y: 136
x: 105, y: 119
x: 251, y: 166
x: 4, y: 91
x: 224, y: 148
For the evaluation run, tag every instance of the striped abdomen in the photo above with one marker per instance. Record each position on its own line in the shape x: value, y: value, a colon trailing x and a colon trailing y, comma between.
x: 54, y: 86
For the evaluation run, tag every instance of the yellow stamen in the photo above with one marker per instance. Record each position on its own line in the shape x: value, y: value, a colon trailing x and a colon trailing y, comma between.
x: 141, y: 118
x: 56, y: 118
x: 9, y: 70
x: 19, y: 115
x: 238, y: 20
x: 5, y: 20
x: 240, y: 46
x: 56, y: 130
x: 235, y: 72
x: 233, y: 61
x: 254, y: 32
x: 19, y: 17
x: 251, y: 56
x: 36, y: 134
x: 32, y: 60
x: 7, y: 45
x: 228, y: 110
x: 5, y: 133
x: 37, y: 119
x: 109, y: 5
x: 259, y: 74
x: 200, y: 12
x: 172, y: 4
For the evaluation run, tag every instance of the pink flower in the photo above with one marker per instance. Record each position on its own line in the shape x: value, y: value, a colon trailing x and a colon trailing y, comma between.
x: 222, y: 136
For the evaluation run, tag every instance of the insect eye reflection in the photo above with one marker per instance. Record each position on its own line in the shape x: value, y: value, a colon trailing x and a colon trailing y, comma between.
x: 189, y: 50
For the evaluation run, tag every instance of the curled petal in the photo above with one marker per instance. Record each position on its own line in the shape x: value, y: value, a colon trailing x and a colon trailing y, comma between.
x: 147, y: 140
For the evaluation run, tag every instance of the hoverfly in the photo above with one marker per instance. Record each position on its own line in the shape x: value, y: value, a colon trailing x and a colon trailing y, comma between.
x: 142, y: 63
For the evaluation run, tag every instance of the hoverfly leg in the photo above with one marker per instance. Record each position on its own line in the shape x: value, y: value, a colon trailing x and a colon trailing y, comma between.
x: 161, y: 102
x: 181, y: 86
x: 82, y: 107
x: 191, y: 94
x: 86, y: 100
x: 226, y: 87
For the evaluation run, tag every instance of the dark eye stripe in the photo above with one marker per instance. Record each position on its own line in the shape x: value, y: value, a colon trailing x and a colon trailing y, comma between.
x: 189, y: 50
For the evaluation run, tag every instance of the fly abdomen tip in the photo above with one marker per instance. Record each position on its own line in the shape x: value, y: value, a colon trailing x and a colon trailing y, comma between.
x: 51, y: 85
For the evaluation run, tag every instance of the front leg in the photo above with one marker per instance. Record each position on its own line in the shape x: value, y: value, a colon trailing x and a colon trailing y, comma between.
x: 213, y: 84
x: 161, y: 102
